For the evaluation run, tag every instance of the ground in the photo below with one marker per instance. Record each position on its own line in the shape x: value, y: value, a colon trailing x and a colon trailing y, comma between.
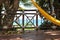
x: 33, y: 35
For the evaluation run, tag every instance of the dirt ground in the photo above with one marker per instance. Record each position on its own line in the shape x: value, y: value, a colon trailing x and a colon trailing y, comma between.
x: 34, y: 35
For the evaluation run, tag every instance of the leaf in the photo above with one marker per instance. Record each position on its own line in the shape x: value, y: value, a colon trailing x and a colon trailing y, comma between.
x: 27, y: 4
x: 24, y: 1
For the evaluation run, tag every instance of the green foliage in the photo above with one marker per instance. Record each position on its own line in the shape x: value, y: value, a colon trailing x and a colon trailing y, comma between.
x: 24, y: 1
x: 40, y: 2
x: 46, y: 25
x: 57, y: 3
x: 45, y: 4
x: 27, y: 4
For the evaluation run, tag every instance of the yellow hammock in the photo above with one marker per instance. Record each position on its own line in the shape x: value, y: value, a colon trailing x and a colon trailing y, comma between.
x: 46, y: 15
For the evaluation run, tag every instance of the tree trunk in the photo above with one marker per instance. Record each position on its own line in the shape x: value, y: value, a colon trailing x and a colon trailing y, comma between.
x: 0, y: 15
x: 11, y: 7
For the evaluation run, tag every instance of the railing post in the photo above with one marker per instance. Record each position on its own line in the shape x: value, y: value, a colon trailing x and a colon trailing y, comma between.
x: 23, y: 22
x: 36, y: 20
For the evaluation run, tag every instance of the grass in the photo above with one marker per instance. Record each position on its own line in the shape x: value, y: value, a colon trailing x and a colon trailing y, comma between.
x: 27, y: 28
